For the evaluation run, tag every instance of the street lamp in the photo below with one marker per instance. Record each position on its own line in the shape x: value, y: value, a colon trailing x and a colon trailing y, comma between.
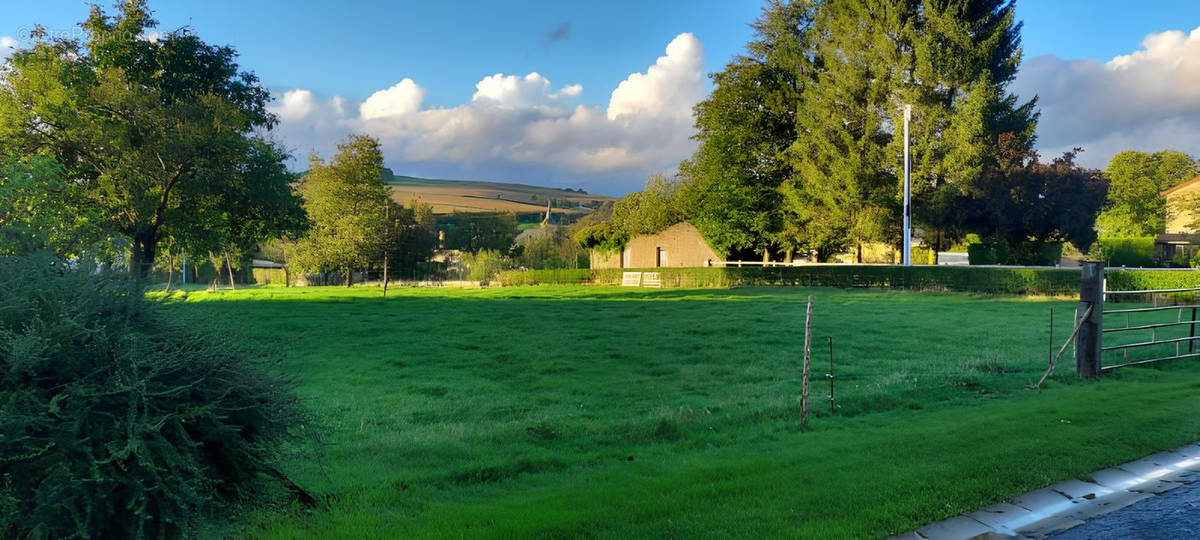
x: 906, y: 257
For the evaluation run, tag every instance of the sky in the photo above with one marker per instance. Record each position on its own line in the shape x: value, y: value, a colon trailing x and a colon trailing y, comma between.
x: 598, y: 95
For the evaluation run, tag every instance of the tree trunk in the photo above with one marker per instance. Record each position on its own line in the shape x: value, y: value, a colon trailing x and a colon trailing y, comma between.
x: 387, y: 217
x: 385, y: 272
x: 229, y: 266
x: 787, y: 255
x: 142, y: 255
x: 937, y: 248
x: 766, y: 255
x: 170, y: 271
x: 349, y: 277
x: 858, y: 253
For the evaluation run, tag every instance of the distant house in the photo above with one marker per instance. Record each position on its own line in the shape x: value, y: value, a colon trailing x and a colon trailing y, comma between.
x: 680, y: 245
x: 1179, y: 237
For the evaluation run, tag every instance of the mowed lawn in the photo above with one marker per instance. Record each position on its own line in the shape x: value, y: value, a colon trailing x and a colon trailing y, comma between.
x: 616, y: 413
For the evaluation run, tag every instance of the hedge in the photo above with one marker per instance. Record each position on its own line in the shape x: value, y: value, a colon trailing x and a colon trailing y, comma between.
x: 1136, y: 252
x: 1028, y: 253
x: 945, y: 278
x: 1141, y: 280
x: 933, y: 278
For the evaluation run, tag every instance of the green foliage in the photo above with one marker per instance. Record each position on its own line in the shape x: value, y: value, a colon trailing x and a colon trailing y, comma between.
x: 1035, y: 202
x: 553, y: 249
x: 149, y: 131
x: 1020, y: 254
x: 1135, y: 252
x: 37, y: 212
x: 924, y: 255
x: 648, y: 211
x: 1135, y: 205
x: 512, y: 278
x: 121, y: 420
x: 345, y: 200
x: 924, y: 278
x: 410, y: 236
x: 471, y: 232
x: 484, y: 265
x: 1141, y: 280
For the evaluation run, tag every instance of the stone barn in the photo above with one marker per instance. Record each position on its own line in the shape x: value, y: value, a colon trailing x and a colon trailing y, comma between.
x: 680, y: 245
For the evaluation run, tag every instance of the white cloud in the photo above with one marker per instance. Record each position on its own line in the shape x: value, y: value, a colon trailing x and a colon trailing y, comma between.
x: 1148, y: 99
x: 670, y: 87
x: 519, y: 122
x: 403, y: 98
x: 7, y: 46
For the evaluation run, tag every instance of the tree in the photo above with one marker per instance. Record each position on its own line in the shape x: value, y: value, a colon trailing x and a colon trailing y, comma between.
x: 39, y: 211
x: 472, y: 232
x: 1135, y: 205
x: 1036, y: 202
x: 730, y: 189
x: 345, y: 200
x: 143, y: 128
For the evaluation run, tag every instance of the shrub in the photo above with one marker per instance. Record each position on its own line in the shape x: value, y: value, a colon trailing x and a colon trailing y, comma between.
x: 484, y: 265
x: 1136, y: 252
x: 923, y: 255
x: 936, y: 278
x: 121, y: 419
x: 1025, y: 253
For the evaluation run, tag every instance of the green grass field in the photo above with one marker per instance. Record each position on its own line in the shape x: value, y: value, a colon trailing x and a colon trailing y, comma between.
x: 616, y: 413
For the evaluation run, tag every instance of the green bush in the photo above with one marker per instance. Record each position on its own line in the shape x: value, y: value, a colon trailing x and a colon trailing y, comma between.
x: 939, y: 278
x: 485, y: 265
x: 1135, y: 252
x: 1023, y: 254
x: 119, y: 419
x: 510, y: 278
x: 923, y: 255
x: 1141, y: 280
x: 1053, y: 281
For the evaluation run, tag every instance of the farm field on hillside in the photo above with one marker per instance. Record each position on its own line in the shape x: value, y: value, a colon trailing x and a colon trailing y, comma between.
x: 475, y: 196
x: 568, y: 411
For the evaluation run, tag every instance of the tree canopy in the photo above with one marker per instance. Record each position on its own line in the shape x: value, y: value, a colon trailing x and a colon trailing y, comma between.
x: 1135, y: 205
x: 149, y: 133
x: 799, y: 144
x: 345, y: 199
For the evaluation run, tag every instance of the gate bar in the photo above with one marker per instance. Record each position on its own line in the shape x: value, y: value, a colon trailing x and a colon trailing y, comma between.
x: 1147, y: 343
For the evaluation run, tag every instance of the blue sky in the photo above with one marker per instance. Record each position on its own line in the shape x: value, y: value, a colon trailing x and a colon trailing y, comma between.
x: 334, y: 57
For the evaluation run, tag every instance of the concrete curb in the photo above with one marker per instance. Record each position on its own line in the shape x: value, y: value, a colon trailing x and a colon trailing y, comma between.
x: 1054, y: 509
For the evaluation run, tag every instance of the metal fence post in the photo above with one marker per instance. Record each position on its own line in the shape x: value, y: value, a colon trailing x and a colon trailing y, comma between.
x: 1088, y: 344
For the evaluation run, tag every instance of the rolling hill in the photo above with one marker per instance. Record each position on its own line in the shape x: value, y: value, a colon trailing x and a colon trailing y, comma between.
x: 448, y: 196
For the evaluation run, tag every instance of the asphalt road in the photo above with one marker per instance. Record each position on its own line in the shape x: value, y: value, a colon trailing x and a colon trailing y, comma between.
x: 1172, y: 515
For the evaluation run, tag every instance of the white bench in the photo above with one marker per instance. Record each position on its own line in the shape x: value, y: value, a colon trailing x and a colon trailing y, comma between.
x: 651, y: 279
x: 631, y: 279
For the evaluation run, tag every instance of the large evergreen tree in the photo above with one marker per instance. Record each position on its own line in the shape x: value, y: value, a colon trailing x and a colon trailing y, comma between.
x: 731, y: 184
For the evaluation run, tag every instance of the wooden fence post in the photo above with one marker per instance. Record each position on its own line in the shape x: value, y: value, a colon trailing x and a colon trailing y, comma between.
x: 1088, y: 342
x: 807, y: 360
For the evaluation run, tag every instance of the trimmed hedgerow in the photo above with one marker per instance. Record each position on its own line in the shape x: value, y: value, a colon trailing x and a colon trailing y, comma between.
x: 947, y: 278
x: 1141, y: 280
x: 1054, y: 281
x: 117, y: 419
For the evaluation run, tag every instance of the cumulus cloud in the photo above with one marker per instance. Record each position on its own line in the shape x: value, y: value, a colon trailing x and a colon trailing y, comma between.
x: 1148, y: 99
x: 403, y: 98
x: 522, y: 123
x: 8, y: 44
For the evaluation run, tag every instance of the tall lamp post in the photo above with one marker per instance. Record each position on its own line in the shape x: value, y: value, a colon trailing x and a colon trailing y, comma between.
x: 907, y: 255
